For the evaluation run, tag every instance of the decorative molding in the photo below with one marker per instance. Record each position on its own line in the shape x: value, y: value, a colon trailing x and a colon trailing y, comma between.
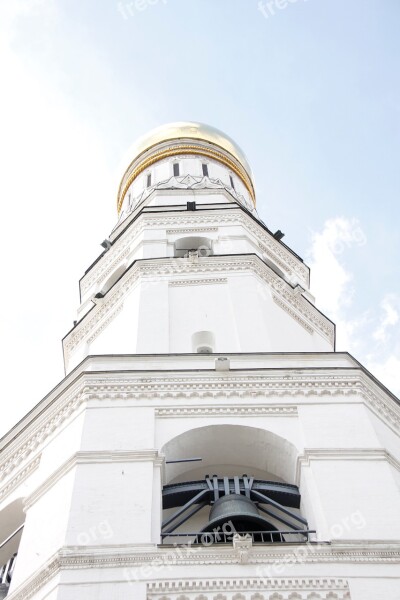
x: 191, y: 230
x: 274, y: 249
x: 114, y: 265
x: 299, y: 306
x: 227, y: 411
x: 185, y: 282
x: 187, y: 150
x: 19, y: 478
x: 183, y: 183
x: 388, y: 410
x: 40, y: 578
x: 105, y: 323
x: 49, y: 482
x: 250, y: 589
x: 292, y: 313
x: 33, y: 437
x: 212, y: 385
x: 368, y: 454
x: 242, y: 545
x: 131, y: 557
x: 92, y: 457
x: 160, y: 387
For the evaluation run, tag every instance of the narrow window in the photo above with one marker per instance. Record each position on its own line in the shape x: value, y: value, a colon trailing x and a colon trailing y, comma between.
x: 176, y: 169
x: 149, y: 180
x: 205, y: 169
x: 232, y: 182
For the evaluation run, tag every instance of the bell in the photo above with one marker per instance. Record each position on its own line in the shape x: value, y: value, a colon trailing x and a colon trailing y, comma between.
x: 235, y: 513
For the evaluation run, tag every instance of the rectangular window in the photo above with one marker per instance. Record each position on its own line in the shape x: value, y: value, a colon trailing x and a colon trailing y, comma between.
x: 205, y: 169
x: 232, y: 182
x: 149, y: 180
x: 176, y: 169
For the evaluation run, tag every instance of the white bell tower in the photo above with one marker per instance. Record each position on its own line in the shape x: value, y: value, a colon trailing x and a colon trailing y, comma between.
x: 207, y: 442
x: 190, y: 265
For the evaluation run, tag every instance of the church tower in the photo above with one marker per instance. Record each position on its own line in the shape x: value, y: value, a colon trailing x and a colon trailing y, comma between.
x: 207, y: 441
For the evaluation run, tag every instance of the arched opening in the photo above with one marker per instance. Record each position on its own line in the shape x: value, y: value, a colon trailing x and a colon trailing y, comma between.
x: 273, y: 266
x: 290, y: 280
x: 222, y: 480
x: 12, y: 519
x: 110, y: 281
x: 187, y: 246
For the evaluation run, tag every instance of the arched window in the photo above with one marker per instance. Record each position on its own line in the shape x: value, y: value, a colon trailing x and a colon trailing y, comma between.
x: 204, y: 167
x: 245, y: 485
x: 186, y: 246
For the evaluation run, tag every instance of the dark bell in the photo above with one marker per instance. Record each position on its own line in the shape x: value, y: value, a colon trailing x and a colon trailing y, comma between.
x: 239, y: 515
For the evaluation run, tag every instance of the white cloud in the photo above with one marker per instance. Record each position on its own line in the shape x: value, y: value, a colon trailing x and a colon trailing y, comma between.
x: 331, y: 281
x: 390, y: 317
x: 388, y: 372
x: 371, y: 336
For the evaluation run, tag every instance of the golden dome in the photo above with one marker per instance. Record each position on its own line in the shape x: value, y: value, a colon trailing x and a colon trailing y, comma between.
x: 185, y: 130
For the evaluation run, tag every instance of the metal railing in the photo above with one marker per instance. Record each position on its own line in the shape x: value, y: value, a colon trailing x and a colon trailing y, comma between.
x: 11, y: 536
x: 6, y: 571
x: 258, y: 537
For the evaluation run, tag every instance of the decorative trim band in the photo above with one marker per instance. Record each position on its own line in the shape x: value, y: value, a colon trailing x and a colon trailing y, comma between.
x: 317, y: 589
x: 292, y: 313
x: 123, y: 557
x: 306, y: 314
x: 369, y: 454
x: 92, y: 457
x: 185, y: 282
x: 105, y: 323
x: 191, y: 230
x: 324, y: 386
x: 19, y: 478
x: 33, y: 437
x: 275, y: 251
x: 189, y: 149
x: 226, y: 411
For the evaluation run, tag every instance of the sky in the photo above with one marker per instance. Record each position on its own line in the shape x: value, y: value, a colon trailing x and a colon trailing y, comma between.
x: 310, y: 89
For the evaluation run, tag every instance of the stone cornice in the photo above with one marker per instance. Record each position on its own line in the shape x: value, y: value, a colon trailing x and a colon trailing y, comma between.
x: 368, y: 454
x: 155, y: 388
x: 38, y: 432
x: 101, y: 557
x: 204, y: 281
x: 192, y: 230
x: 297, y: 306
x: 92, y: 457
x: 19, y: 478
x: 362, y: 552
x: 226, y: 411
x: 192, y: 222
